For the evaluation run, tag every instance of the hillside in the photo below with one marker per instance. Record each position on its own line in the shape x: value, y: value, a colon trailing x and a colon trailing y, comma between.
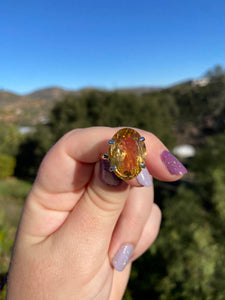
x: 29, y: 109
x: 22, y: 110
x: 8, y: 97
x: 50, y: 94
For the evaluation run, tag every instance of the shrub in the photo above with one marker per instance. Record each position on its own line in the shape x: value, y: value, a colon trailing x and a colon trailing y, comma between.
x: 7, y: 165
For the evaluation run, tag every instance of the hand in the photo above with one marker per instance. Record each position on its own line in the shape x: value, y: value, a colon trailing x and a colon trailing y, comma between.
x: 74, y: 223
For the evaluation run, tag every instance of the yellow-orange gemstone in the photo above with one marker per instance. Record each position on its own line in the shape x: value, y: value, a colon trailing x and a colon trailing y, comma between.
x: 127, y: 153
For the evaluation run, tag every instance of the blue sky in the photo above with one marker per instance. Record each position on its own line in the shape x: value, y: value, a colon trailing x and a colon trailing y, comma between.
x: 108, y: 44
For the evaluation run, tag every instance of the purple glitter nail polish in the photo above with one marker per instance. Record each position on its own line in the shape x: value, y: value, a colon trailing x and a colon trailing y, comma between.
x: 122, y: 257
x: 172, y: 163
x: 106, y: 176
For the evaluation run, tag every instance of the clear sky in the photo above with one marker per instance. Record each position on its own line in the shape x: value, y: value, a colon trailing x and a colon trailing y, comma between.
x: 108, y: 44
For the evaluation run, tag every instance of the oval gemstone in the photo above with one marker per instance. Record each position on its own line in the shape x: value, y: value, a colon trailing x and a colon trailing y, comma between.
x: 127, y: 153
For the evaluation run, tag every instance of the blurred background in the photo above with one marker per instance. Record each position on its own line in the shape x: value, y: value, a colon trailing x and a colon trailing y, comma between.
x: 157, y: 66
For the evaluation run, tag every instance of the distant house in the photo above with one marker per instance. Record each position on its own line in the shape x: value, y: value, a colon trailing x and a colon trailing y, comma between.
x: 26, y: 129
x: 201, y: 82
x: 184, y: 151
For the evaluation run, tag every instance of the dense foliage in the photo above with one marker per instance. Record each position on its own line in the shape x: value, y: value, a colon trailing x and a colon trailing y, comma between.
x: 187, y: 261
x: 7, y: 165
x: 9, y: 139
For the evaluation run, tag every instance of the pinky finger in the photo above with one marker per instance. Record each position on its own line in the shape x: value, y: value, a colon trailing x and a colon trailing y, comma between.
x: 149, y: 233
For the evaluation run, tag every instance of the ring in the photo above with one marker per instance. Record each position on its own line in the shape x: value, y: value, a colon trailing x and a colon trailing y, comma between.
x: 126, y: 153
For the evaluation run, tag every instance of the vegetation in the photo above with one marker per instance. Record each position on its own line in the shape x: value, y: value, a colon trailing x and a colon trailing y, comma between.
x: 7, y: 165
x: 187, y: 261
x: 12, y: 195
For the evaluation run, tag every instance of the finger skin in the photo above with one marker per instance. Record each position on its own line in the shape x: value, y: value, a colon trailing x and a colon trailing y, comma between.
x: 120, y: 280
x: 132, y: 219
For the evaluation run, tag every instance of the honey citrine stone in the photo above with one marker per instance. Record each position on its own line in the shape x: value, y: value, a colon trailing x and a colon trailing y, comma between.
x: 127, y: 154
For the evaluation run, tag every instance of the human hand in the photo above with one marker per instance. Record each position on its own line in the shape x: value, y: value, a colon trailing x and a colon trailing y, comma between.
x: 74, y: 223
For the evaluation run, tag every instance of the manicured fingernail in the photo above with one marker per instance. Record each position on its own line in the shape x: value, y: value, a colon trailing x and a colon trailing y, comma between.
x: 173, y: 165
x: 144, y: 178
x: 122, y: 257
x: 107, y: 177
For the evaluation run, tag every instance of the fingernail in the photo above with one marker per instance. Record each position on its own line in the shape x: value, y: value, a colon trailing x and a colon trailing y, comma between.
x: 144, y: 178
x: 106, y: 176
x: 122, y: 257
x: 173, y: 165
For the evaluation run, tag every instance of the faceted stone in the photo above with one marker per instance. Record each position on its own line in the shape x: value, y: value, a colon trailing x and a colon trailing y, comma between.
x: 127, y: 154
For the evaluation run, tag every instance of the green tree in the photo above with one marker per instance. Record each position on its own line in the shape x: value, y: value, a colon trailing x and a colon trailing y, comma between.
x: 10, y: 138
x: 31, y: 151
x: 215, y: 72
